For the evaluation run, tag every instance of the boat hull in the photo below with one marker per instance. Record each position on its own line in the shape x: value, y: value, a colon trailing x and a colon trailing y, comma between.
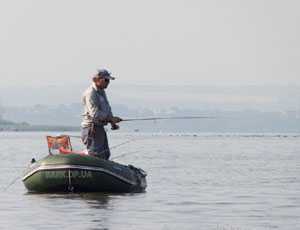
x: 76, y: 173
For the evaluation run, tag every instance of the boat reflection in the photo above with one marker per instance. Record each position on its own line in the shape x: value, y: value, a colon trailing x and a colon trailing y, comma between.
x: 89, y: 210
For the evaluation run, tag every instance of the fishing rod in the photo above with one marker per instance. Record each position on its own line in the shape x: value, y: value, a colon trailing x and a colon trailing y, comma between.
x: 169, y: 118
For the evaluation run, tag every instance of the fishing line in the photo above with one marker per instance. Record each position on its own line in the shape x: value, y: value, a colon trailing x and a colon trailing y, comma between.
x: 123, y: 143
x: 112, y: 147
x: 124, y: 154
x: 116, y: 146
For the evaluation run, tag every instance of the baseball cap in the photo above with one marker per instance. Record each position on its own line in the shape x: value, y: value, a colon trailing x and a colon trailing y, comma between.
x: 105, y: 74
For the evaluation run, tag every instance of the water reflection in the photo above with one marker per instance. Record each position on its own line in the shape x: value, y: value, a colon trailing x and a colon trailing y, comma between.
x: 93, y: 200
x: 96, y: 200
x: 88, y: 210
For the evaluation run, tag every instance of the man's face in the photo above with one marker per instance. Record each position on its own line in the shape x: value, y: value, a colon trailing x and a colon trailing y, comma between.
x: 101, y: 83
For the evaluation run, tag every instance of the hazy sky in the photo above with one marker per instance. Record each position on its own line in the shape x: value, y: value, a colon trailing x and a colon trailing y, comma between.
x: 157, y: 42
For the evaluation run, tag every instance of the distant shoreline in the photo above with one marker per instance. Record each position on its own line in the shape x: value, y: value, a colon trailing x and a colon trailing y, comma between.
x: 38, y: 128
x: 49, y: 128
x: 8, y: 126
x: 178, y: 134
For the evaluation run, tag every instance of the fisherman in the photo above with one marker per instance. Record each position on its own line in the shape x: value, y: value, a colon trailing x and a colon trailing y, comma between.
x: 97, y: 114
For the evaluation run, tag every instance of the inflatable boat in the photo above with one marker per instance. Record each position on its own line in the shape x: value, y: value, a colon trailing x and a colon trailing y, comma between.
x: 78, y: 172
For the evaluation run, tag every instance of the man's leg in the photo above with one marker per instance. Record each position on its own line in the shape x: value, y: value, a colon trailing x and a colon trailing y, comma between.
x: 107, y: 152
x: 96, y: 142
x: 88, y: 137
x: 100, y: 143
x: 85, y: 137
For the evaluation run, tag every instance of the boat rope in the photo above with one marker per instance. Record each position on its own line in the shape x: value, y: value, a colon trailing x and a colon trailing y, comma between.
x: 4, y: 189
x: 70, y: 187
x: 14, y: 167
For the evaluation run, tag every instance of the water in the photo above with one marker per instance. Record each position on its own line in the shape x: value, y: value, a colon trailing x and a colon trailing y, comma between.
x: 194, y: 182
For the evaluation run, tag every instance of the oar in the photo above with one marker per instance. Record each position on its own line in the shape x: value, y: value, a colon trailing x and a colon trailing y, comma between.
x: 168, y: 118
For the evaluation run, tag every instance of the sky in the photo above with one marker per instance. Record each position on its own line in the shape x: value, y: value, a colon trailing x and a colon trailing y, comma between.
x: 150, y: 42
x: 50, y: 50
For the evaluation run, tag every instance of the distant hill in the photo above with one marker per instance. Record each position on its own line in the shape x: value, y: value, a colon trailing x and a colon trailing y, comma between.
x: 156, y: 96
x: 68, y: 118
x: 24, y: 126
x: 5, y: 122
x: 238, y: 108
x: 9, y: 125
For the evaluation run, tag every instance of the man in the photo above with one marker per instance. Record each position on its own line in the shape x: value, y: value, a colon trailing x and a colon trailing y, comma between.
x: 97, y: 114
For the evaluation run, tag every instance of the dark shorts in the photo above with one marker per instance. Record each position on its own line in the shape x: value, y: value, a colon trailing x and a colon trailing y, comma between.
x: 96, y: 142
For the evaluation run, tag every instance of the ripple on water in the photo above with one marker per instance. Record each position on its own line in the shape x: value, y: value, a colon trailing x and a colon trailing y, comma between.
x: 195, y: 182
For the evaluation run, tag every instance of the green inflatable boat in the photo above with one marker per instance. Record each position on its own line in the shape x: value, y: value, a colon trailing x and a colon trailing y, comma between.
x: 71, y: 171
x: 82, y: 173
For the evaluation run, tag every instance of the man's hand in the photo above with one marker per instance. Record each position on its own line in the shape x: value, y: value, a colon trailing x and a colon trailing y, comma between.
x: 114, y: 126
x: 115, y: 120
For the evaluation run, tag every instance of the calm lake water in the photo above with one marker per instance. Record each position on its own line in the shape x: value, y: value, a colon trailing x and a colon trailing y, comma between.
x: 220, y: 182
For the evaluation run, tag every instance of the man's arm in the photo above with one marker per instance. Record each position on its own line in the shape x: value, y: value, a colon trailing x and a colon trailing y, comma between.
x: 111, y: 118
x: 94, y: 108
